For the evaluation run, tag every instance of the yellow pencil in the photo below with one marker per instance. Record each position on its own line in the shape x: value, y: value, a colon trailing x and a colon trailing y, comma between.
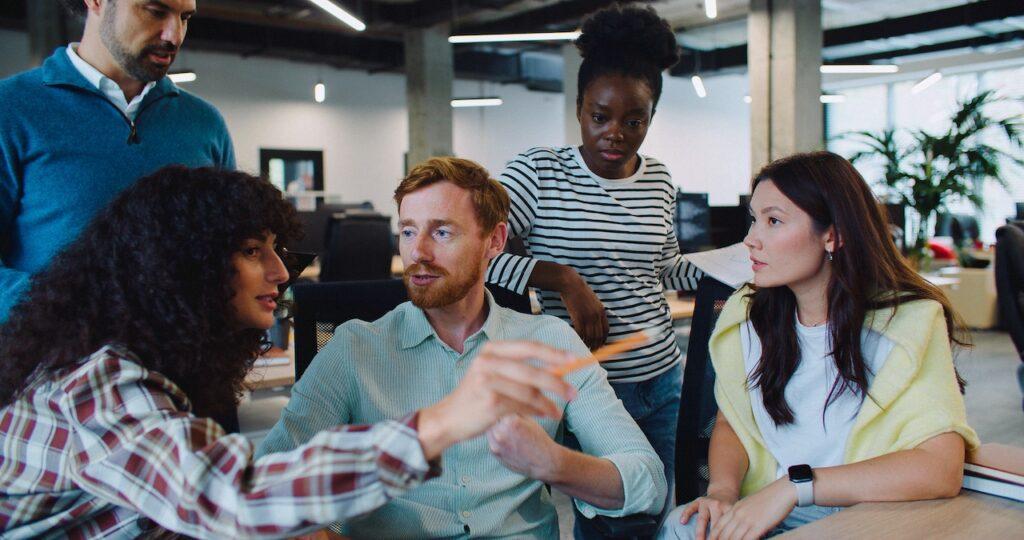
x: 631, y: 341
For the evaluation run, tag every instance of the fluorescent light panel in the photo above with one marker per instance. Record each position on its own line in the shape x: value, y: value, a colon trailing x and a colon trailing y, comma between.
x: 860, y: 68
x: 698, y: 86
x: 711, y: 8
x: 183, y: 77
x: 926, y: 83
x: 492, y: 38
x: 476, y: 102
x: 340, y: 14
x: 319, y: 92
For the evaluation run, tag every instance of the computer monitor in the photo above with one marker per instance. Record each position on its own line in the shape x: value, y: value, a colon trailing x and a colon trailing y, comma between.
x: 1020, y: 211
x: 729, y: 224
x: 315, y: 223
x: 692, y: 222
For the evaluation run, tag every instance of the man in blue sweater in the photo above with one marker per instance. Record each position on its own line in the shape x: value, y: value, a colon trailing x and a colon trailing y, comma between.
x: 92, y: 119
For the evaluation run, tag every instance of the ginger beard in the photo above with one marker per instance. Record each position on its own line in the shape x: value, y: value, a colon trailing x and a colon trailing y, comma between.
x: 450, y: 287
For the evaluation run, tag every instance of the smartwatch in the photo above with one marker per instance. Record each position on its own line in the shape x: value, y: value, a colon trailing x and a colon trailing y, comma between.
x: 802, y: 477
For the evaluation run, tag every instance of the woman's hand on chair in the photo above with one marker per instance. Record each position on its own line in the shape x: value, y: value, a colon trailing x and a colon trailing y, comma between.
x: 708, y: 509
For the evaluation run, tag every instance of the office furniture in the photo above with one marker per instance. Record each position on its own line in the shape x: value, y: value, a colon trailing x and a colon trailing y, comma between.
x: 962, y: 228
x: 358, y: 247
x: 896, y: 215
x: 692, y: 222
x: 314, y: 225
x: 973, y: 295
x: 321, y: 307
x: 698, y: 408
x: 1009, y: 274
x: 729, y: 224
x: 968, y: 515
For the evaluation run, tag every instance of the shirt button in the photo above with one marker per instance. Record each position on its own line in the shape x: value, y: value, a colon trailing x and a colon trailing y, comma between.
x: 465, y: 514
x: 465, y: 480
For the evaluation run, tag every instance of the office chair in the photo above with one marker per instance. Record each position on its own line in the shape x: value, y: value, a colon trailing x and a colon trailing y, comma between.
x: 697, y: 412
x: 1010, y: 287
x: 698, y: 408
x: 319, y: 308
x: 962, y: 228
x: 358, y: 247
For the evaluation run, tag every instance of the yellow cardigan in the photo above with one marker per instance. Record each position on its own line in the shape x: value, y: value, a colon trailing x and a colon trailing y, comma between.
x: 915, y: 394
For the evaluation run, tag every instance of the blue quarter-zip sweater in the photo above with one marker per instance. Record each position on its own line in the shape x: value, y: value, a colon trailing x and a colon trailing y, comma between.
x: 66, y: 152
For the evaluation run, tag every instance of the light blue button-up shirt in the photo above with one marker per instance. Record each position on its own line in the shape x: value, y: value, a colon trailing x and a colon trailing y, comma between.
x: 370, y: 372
x: 107, y: 85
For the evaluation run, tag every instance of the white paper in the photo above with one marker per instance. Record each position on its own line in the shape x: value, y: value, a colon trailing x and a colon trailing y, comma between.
x: 730, y: 265
x: 267, y: 361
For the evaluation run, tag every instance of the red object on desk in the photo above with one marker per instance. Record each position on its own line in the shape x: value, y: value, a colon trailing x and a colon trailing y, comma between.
x: 941, y: 252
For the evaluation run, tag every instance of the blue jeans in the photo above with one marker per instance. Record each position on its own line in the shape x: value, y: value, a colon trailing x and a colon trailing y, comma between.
x: 654, y: 404
x: 673, y: 530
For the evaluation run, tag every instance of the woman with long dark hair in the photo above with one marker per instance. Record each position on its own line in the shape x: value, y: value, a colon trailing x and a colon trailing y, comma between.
x: 597, y: 221
x: 834, y: 371
x: 146, y: 325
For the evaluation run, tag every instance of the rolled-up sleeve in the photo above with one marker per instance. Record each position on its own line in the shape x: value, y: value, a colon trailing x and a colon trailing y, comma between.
x: 604, y: 429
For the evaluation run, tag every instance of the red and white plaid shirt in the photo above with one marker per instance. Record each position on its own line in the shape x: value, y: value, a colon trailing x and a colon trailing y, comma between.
x: 110, y: 449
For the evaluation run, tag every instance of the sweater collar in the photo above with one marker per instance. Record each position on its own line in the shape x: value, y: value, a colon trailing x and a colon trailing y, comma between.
x: 59, y: 71
x: 907, y: 328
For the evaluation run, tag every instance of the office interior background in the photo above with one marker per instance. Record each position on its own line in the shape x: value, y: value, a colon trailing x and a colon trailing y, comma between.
x: 258, y: 62
x: 320, y: 107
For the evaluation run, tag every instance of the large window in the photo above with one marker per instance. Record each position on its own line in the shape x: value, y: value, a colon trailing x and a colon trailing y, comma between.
x: 894, y: 105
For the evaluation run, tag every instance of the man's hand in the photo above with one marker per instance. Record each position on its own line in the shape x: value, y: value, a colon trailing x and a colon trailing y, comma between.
x: 755, y: 515
x: 586, y: 312
x: 522, y: 446
x: 500, y: 381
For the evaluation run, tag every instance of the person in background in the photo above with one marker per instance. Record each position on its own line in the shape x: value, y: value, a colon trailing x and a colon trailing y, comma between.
x: 834, y: 371
x: 92, y: 119
x: 145, y: 326
x: 597, y: 222
x: 451, y: 224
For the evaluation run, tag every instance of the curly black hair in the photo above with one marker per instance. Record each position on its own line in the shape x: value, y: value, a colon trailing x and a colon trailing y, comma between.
x: 152, y: 272
x: 631, y: 41
x: 74, y: 7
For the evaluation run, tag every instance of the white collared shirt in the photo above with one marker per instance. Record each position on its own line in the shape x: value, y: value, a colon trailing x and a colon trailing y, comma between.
x: 107, y: 86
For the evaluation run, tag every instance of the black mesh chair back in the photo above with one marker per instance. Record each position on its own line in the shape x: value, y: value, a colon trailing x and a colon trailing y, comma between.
x: 698, y: 407
x: 321, y: 307
x: 358, y: 247
x: 1010, y: 282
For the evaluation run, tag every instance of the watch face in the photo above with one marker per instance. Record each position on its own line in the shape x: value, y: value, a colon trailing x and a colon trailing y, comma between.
x: 800, y: 473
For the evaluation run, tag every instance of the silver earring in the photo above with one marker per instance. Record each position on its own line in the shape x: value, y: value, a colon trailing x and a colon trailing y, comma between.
x: 829, y: 253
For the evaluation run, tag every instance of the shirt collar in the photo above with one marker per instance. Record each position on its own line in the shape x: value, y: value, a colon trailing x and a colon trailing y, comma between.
x: 100, y: 81
x: 417, y: 329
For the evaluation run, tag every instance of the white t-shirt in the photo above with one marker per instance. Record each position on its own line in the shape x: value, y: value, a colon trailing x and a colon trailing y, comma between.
x: 814, y: 439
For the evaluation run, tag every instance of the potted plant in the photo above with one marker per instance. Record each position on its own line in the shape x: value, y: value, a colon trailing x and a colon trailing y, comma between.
x: 933, y: 168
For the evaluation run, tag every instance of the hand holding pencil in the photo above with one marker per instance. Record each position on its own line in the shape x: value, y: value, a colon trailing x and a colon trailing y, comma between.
x: 605, y: 352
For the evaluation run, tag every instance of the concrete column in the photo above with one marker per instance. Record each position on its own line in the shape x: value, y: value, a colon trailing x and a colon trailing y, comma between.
x: 428, y: 90
x: 49, y: 27
x: 571, y: 61
x: 783, y: 56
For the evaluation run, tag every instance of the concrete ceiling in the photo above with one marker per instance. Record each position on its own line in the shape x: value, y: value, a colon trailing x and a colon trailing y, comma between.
x: 863, y: 30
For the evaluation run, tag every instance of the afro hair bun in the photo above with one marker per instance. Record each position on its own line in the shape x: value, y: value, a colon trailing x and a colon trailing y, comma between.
x: 628, y: 34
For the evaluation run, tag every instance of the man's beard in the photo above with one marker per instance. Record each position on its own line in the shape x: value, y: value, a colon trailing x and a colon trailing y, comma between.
x: 445, y: 292
x: 137, y: 66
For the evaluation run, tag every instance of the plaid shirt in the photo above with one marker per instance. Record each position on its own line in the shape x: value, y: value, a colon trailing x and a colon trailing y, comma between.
x: 109, y: 449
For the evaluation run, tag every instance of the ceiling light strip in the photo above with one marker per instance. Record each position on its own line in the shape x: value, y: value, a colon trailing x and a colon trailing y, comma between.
x: 494, y: 38
x: 339, y: 13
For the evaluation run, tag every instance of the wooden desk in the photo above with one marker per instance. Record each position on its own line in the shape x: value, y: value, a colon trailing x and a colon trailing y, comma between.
x: 272, y: 376
x: 969, y: 515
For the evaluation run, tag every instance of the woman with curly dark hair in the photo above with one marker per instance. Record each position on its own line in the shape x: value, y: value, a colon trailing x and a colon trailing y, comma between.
x: 597, y: 221
x: 145, y: 326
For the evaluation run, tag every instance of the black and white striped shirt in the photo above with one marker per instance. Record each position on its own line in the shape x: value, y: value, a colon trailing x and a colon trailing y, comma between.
x: 617, y: 234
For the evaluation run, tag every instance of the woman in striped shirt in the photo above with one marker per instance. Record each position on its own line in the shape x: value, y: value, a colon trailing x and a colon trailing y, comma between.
x: 597, y: 220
